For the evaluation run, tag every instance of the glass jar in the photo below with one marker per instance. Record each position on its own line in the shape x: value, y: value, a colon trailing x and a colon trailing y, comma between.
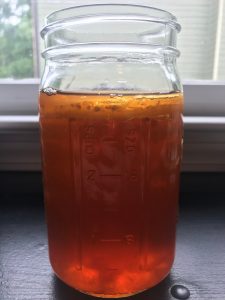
x: 111, y: 132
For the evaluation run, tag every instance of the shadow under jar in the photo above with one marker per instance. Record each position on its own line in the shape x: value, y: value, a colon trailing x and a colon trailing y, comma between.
x: 111, y: 132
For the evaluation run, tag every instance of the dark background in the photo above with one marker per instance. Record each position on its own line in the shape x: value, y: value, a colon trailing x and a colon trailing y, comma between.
x: 25, y: 273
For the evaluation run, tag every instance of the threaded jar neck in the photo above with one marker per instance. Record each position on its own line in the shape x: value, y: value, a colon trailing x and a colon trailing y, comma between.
x: 100, y: 30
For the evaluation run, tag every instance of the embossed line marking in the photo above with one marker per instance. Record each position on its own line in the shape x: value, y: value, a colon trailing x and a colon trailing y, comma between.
x: 110, y: 175
x: 111, y: 240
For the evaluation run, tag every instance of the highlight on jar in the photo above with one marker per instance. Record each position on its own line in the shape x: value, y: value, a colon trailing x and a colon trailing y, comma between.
x: 110, y: 108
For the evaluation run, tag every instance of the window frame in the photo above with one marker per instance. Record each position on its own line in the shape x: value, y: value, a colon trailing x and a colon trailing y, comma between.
x: 204, y: 119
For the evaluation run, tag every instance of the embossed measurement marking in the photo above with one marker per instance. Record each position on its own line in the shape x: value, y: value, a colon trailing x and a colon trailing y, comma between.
x: 110, y: 240
x: 109, y: 139
x: 110, y: 175
x: 128, y: 239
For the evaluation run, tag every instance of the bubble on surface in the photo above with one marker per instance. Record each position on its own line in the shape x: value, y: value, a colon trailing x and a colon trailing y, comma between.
x: 49, y: 91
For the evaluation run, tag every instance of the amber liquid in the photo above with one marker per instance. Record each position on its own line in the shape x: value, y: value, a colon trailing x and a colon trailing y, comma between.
x: 111, y: 173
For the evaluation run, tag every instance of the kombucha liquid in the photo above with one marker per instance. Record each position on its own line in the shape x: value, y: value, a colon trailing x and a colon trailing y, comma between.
x: 111, y: 168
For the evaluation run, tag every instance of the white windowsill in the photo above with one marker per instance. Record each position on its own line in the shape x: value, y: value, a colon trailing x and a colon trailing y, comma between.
x: 195, y: 123
x: 204, y: 144
x: 202, y: 97
x: 204, y: 124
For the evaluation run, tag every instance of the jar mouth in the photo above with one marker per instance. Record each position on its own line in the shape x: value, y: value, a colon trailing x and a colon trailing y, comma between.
x: 75, y: 13
x: 94, y: 28
x: 65, y: 13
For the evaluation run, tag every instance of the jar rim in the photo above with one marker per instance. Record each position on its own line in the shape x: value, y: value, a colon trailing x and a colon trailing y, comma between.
x: 161, y: 16
x: 54, y: 13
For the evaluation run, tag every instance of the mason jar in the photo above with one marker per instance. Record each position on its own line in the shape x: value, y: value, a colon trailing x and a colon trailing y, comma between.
x: 111, y: 131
